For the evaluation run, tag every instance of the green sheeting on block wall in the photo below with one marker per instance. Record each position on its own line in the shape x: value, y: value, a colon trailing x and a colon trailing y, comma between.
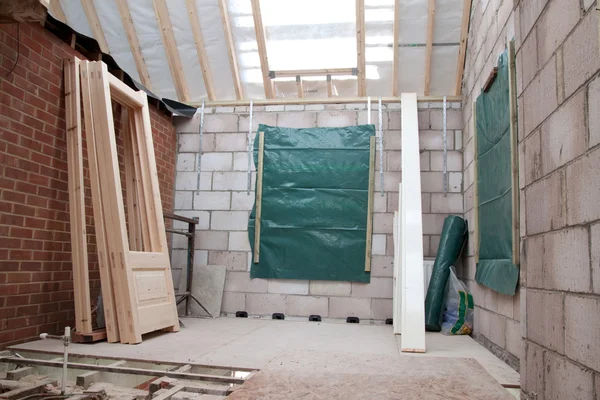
x: 314, y: 203
x: 495, y: 268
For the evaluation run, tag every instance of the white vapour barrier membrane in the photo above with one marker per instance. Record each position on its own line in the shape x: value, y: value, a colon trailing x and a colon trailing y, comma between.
x: 310, y: 34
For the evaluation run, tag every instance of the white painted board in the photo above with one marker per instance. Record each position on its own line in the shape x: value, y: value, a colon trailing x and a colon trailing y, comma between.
x: 397, y: 283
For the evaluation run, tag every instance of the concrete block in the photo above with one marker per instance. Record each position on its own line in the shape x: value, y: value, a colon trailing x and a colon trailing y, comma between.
x: 211, y: 240
x: 330, y: 288
x: 532, y: 376
x: 186, y: 162
x: 238, y: 241
x: 342, y: 307
x: 257, y: 119
x: 497, y: 329
x: 425, y: 161
x: 219, y: 110
x: 231, y: 180
x: 294, y: 107
x: 183, y: 200
x: 378, y: 245
x: 423, y: 118
x: 303, y: 306
x: 532, y: 158
x: 554, y: 25
x: 238, y: 281
x: 314, y: 107
x: 432, y: 182
x: 582, y: 330
x: 240, y: 161
x: 434, y: 140
x: 559, y: 148
x: 380, y: 203
x: 453, y: 119
x: 565, y: 380
x: 567, y: 260
x: 233, y: 260
x: 583, y: 189
x: 452, y: 203
x: 394, y: 160
x: 542, y: 87
x: 382, y: 222
x: 490, y: 300
x: 382, y: 266
x: 377, y: 288
x: 229, y: 220
x: 544, y: 204
x: 203, y: 219
x: 362, y: 118
x: 214, y: 123
x: 534, y: 261
x: 392, y: 201
x: 242, y: 201
x: 514, y: 342
x: 594, y: 112
x: 595, y: 256
x: 335, y: 106
x: 545, y: 318
x: 381, y: 309
x: 265, y: 304
x: 233, y: 302
x: 433, y: 223
x: 458, y: 140
x: 186, y: 181
x: 188, y: 143
x: 336, y: 118
x: 231, y: 141
x: 288, y: 286
x: 297, y: 119
x: 468, y: 198
x: 453, y: 161
x: 455, y: 182
x: 581, y: 53
x: 425, y: 203
x: 505, y: 305
x: 212, y: 201
x: 392, y: 140
x: 391, y: 180
x: 434, y: 244
x: 482, y: 321
x: 522, y: 212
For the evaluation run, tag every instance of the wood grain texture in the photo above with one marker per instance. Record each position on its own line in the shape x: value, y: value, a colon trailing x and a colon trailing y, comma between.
x: 200, y: 49
x: 259, y: 180
x: 429, y: 45
x: 361, y: 63
x: 94, y: 23
x: 371, y: 190
x: 259, y: 29
x: 235, y: 71
x: 462, y: 50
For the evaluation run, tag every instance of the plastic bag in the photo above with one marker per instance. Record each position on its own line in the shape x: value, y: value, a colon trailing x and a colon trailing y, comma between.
x: 458, y: 307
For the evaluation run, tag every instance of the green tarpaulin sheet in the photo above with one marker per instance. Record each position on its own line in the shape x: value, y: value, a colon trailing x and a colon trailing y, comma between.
x: 314, y: 203
x: 495, y: 269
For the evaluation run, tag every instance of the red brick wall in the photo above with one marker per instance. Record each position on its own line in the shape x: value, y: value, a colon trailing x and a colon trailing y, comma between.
x: 36, y: 289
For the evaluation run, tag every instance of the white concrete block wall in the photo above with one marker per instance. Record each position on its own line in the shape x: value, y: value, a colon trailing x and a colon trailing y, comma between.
x: 223, y: 205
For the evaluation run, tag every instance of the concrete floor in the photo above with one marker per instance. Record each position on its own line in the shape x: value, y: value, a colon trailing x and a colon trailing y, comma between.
x: 254, y: 343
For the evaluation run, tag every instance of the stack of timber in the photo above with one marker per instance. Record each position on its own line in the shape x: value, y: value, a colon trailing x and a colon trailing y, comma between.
x: 135, y: 271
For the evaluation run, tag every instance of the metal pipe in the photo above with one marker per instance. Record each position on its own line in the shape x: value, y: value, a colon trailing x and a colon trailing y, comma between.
x: 66, y: 341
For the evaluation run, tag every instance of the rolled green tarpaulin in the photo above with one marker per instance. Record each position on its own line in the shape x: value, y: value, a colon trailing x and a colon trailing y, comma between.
x: 453, y: 237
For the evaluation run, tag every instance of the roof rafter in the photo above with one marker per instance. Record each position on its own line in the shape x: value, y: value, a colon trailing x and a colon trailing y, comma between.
x: 95, y: 26
x: 57, y: 11
x: 259, y: 29
x: 134, y: 43
x: 166, y: 29
x: 429, y: 45
x: 235, y: 71
x: 462, y: 52
x: 360, y: 48
x: 395, y: 62
x: 200, y: 49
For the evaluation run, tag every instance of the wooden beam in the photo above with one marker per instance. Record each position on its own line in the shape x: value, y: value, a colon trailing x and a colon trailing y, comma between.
x: 490, y: 79
x: 329, y: 86
x: 313, y: 72
x: 259, y: 29
x: 429, y: 45
x: 200, y: 49
x: 94, y: 22
x: 361, y: 63
x: 57, y: 11
x: 514, y: 151
x: 166, y: 29
x: 300, y: 87
x: 462, y: 51
x: 134, y: 43
x: 258, y: 201
x: 370, y: 204
x: 395, y: 62
x: 324, y: 100
x: 475, y: 187
x: 235, y: 71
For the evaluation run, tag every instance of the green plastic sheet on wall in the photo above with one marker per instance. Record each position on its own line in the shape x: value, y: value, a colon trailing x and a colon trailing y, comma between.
x: 495, y: 268
x: 314, y: 203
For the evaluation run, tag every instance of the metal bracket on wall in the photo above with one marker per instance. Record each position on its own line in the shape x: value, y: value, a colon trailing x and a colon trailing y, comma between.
x: 381, y: 146
x: 199, y: 157
x: 250, y: 147
x: 445, y: 149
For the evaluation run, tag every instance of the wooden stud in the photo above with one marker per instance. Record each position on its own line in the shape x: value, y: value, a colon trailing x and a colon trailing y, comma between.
x: 259, y: 29
x: 462, y: 51
x: 313, y: 72
x: 329, y: 86
x: 95, y: 26
x: 200, y: 49
x: 166, y: 30
x: 475, y: 187
x: 429, y: 45
x: 514, y: 151
x: 396, y: 42
x: 57, y: 11
x: 169, y: 393
x: 259, y: 179
x: 325, y: 100
x: 300, y: 87
x: 368, y: 246
x: 361, y: 63
x: 131, y: 183
x: 490, y: 79
x: 134, y: 43
x: 235, y: 71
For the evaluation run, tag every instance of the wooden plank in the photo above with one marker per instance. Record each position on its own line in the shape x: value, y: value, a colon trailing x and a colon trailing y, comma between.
x: 104, y: 261
x: 259, y: 29
x: 200, y: 49
x: 57, y: 11
x: 94, y: 22
x: 168, y: 37
x: 490, y: 79
x: 325, y: 100
x: 291, y: 73
x: 300, y: 87
x: 329, y: 86
x: 475, y: 187
x: 462, y: 50
x: 396, y: 62
x: 429, y: 45
x: 123, y: 94
x: 169, y: 393
x: 133, y: 210
x: 94, y: 336
x: 361, y: 63
x: 235, y: 71
x: 259, y: 179
x: 79, y: 254
x: 86, y: 379
x: 137, y: 165
x: 370, y: 204
x: 514, y: 152
x: 411, y: 231
x: 134, y: 43
x: 397, y: 269
x: 27, y: 391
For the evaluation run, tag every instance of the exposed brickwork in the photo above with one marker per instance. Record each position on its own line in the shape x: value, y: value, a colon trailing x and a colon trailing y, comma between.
x: 36, y: 289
